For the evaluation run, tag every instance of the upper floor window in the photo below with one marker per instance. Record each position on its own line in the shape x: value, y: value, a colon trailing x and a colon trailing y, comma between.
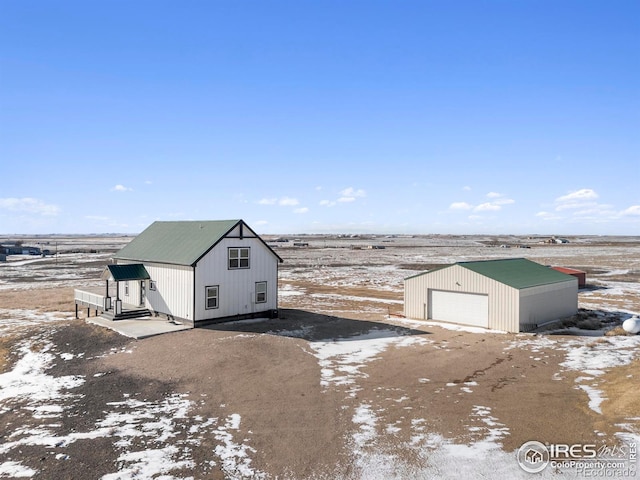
x: 239, y: 257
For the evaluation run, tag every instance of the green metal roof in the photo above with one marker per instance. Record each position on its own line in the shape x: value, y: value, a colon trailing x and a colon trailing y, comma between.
x: 131, y: 271
x: 179, y: 243
x: 517, y: 272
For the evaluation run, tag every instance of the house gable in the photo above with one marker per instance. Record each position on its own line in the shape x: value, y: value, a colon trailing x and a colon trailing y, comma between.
x: 183, y: 242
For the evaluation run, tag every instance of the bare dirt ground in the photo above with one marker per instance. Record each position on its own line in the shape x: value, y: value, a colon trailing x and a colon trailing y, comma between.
x: 340, y: 386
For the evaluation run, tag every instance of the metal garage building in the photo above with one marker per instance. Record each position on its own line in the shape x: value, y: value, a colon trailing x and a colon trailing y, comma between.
x: 512, y: 295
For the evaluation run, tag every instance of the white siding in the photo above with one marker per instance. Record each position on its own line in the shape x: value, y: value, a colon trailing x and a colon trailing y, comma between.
x: 174, y: 290
x: 546, y: 303
x: 237, y: 286
x: 503, y: 300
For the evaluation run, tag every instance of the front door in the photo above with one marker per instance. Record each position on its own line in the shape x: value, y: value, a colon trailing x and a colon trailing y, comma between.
x: 143, y: 292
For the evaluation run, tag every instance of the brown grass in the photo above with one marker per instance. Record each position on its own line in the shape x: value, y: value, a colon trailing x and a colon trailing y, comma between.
x: 620, y: 387
x: 42, y: 300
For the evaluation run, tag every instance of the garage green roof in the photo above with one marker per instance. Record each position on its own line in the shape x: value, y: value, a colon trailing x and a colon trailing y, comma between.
x: 180, y: 243
x: 517, y: 272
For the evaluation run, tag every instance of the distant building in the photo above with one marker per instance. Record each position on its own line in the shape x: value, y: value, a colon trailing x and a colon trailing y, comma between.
x: 579, y: 274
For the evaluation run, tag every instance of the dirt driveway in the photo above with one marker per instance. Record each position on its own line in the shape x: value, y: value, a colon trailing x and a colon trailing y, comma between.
x: 302, y: 396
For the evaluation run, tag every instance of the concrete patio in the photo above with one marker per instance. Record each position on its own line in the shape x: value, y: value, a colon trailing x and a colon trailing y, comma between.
x: 139, y: 328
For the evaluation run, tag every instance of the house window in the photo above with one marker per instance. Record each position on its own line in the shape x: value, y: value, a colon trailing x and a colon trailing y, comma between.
x: 152, y: 285
x: 126, y: 288
x: 238, y: 258
x: 261, y: 292
x: 211, y: 297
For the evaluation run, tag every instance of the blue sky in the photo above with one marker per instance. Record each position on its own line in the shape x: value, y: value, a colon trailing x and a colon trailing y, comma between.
x: 321, y: 116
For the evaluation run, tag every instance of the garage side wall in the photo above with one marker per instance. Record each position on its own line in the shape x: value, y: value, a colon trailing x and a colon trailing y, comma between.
x: 546, y: 303
x: 503, y: 300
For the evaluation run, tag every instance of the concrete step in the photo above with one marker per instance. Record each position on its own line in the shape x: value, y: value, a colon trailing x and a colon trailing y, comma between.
x: 127, y: 314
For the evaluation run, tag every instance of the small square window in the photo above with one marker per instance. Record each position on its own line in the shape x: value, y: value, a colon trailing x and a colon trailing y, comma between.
x: 239, y: 258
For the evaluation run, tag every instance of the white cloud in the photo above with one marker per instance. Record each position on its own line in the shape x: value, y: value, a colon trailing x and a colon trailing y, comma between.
x: 583, y: 205
x: 484, y: 207
x: 29, y: 205
x: 633, y: 210
x: 301, y: 210
x: 578, y: 199
x: 261, y: 222
x: 148, y: 182
x: 348, y: 195
x: 121, y: 188
x: 460, y: 206
x: 495, y: 205
x: 288, y: 202
x: 352, y: 192
x: 578, y: 196
x: 283, y: 202
x: 96, y: 217
x: 466, y: 188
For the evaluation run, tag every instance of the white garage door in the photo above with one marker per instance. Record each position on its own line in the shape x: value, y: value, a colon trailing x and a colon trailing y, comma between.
x: 455, y: 307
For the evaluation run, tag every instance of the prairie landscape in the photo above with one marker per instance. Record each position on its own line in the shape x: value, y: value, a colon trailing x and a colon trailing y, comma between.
x: 340, y: 386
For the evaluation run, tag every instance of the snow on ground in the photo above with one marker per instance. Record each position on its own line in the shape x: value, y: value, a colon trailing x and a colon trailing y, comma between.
x: 12, y: 319
x: 341, y: 360
x: 612, y: 295
x: 591, y: 357
x: 154, y: 439
x: 28, y: 381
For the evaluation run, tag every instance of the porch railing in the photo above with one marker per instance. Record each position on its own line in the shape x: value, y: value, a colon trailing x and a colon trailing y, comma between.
x: 90, y: 299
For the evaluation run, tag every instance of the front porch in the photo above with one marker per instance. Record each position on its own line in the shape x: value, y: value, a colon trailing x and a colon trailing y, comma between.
x: 116, y: 309
x: 103, y: 304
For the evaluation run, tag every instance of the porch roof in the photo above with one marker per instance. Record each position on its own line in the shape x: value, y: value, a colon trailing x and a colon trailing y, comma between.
x: 122, y: 273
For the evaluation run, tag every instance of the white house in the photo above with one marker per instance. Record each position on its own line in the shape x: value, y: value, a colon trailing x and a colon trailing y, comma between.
x: 196, y: 272
x: 511, y: 295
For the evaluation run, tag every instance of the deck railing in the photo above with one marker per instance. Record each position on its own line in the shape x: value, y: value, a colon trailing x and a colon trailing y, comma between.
x: 90, y: 299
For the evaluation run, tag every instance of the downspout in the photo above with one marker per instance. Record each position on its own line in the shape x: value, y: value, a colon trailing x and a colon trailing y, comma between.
x: 193, y: 312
